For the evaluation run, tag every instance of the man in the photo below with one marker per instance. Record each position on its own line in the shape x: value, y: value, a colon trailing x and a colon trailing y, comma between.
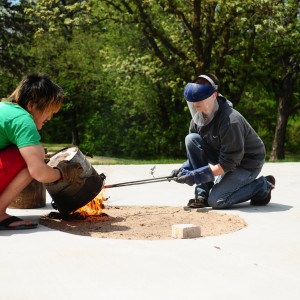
x: 22, y: 159
x: 221, y: 143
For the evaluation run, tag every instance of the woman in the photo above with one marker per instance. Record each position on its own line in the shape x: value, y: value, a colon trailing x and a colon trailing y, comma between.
x: 25, y: 112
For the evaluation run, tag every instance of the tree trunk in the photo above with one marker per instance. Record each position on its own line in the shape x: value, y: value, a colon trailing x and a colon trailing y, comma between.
x: 277, y: 152
x: 284, y: 88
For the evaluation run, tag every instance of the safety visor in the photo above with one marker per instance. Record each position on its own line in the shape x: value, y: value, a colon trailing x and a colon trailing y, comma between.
x: 195, y: 92
x: 202, y: 103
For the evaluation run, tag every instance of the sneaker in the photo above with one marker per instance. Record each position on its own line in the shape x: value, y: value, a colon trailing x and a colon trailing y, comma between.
x: 266, y: 200
x: 198, y: 203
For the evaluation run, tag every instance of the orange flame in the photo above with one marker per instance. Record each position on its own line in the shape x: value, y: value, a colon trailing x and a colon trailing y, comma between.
x: 93, y: 208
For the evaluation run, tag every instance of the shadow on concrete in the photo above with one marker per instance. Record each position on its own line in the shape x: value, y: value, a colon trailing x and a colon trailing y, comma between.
x: 84, y: 227
x: 271, y: 207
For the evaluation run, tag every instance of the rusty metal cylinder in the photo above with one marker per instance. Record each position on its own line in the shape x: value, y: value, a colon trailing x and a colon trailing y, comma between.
x: 33, y: 196
x: 68, y: 198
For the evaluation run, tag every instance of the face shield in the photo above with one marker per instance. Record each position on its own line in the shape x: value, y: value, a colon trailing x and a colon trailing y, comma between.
x: 202, y: 102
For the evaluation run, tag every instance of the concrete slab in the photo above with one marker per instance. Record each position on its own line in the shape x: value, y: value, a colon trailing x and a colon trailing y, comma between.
x: 261, y: 261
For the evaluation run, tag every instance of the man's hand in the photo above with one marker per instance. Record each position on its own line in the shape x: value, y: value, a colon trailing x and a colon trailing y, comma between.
x: 186, y: 177
x: 201, y: 175
x: 70, y: 172
x: 175, y: 173
x: 182, y: 170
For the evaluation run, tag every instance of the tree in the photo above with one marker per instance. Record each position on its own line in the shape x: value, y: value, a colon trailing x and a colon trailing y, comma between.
x: 15, y: 35
x: 235, y: 38
x: 58, y: 37
x: 132, y: 58
x: 279, y: 64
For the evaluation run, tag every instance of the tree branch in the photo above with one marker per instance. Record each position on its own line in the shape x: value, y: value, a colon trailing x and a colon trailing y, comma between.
x: 156, y: 33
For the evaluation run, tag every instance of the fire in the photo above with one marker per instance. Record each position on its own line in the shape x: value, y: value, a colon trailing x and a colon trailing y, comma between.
x: 93, y: 208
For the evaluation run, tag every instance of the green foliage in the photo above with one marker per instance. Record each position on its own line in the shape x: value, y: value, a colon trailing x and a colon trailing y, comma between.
x: 259, y: 109
x: 15, y: 35
x: 293, y: 134
x: 123, y: 66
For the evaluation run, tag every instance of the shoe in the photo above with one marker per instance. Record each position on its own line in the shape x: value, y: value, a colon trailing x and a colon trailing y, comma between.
x: 5, y: 224
x: 264, y: 201
x: 197, y: 203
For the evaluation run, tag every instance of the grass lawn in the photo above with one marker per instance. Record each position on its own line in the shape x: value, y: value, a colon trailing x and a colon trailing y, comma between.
x: 104, y: 160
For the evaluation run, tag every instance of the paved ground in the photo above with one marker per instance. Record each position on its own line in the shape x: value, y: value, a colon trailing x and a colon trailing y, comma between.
x: 261, y: 261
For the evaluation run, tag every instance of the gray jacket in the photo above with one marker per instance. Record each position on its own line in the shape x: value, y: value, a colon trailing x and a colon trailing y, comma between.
x: 232, y: 140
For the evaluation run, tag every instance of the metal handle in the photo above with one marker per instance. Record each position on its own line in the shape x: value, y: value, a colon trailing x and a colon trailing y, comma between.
x: 144, y: 181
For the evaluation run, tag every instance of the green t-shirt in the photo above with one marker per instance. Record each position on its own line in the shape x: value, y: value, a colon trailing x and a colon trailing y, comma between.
x: 17, y: 127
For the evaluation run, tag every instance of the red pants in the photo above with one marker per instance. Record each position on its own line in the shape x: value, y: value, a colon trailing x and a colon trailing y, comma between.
x: 11, y: 163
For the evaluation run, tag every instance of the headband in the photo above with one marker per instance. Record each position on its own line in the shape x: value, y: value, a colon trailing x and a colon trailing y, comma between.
x: 209, y: 80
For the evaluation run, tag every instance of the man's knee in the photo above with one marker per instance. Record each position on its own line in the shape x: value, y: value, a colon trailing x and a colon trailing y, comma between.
x: 218, y: 203
x: 192, y: 139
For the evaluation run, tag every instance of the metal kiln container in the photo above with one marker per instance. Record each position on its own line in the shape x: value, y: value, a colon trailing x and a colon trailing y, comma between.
x: 68, y: 198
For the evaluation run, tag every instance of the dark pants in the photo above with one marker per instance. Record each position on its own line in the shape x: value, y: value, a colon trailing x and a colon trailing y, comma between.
x: 237, y: 186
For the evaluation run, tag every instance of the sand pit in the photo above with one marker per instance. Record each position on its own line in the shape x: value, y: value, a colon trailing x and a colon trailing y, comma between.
x: 145, y: 222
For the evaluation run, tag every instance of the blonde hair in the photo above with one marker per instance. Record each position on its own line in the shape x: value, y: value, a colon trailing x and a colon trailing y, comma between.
x: 39, y: 90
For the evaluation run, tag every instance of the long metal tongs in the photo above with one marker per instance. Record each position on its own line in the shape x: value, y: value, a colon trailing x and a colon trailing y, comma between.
x: 144, y: 181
